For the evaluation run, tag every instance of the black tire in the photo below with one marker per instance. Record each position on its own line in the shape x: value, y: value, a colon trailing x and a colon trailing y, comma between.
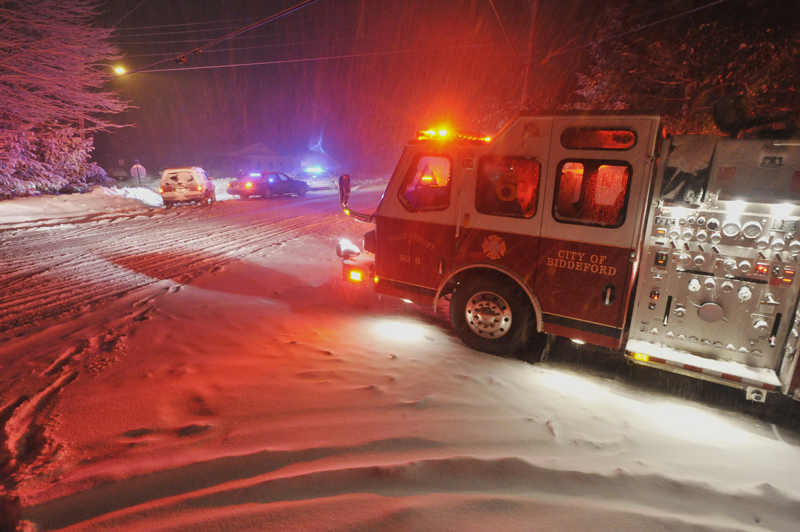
x: 302, y: 191
x: 267, y: 194
x: 245, y: 196
x: 507, y: 321
x: 167, y: 204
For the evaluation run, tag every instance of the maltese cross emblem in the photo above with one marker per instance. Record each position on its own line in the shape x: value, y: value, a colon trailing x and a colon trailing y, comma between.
x: 494, y: 247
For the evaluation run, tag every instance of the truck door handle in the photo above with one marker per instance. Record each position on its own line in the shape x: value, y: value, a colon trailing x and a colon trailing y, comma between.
x: 608, y: 294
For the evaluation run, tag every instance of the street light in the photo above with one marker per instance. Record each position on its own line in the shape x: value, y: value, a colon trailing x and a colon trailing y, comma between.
x: 119, y: 70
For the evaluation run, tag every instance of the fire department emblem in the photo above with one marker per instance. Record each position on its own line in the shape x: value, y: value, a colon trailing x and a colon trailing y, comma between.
x: 494, y: 247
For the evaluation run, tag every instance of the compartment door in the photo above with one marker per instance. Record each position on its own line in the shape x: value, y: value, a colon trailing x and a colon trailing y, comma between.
x: 598, y: 178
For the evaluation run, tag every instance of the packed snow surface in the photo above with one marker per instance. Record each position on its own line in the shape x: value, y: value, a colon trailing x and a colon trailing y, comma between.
x: 204, y: 368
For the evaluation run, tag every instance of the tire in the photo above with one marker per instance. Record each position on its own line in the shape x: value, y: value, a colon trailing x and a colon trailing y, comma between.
x: 167, y: 204
x: 267, y: 194
x: 506, y: 323
x: 302, y: 191
x: 245, y: 196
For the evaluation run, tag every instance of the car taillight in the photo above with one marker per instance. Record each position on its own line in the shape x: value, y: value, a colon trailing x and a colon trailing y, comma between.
x: 248, y: 185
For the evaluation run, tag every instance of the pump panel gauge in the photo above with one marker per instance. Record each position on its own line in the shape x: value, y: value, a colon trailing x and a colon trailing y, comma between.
x: 730, y: 228
x: 751, y: 229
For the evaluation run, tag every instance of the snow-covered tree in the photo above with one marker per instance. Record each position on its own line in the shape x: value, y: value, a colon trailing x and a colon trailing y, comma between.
x: 52, y: 73
x: 680, y: 65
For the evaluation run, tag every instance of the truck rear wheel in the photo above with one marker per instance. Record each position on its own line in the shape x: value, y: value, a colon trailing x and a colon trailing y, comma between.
x: 494, y: 316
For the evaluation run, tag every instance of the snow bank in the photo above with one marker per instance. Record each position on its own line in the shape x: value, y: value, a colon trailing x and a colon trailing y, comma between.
x: 99, y: 200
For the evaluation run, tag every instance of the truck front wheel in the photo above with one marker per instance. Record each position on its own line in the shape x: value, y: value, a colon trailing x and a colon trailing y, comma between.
x: 493, y: 316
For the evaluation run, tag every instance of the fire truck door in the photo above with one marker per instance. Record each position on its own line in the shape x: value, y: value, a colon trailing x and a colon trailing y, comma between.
x: 501, y: 208
x: 597, y: 180
x: 416, y: 224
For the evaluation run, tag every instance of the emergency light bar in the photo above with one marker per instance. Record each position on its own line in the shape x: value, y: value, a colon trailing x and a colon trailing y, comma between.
x: 441, y: 134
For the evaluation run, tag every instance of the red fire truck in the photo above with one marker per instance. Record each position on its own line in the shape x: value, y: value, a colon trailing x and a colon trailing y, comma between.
x: 680, y: 252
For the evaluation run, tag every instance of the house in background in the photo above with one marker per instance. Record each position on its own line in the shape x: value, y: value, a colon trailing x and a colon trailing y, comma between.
x: 260, y: 157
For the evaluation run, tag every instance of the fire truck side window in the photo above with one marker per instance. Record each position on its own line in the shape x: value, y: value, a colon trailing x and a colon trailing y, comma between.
x: 592, y: 192
x: 583, y: 138
x: 427, y: 184
x: 507, y: 186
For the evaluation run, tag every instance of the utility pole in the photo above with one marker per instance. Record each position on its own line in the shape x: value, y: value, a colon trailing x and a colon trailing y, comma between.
x: 525, y: 80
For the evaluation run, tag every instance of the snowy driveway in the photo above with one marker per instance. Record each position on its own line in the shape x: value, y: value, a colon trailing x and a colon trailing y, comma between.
x: 204, y: 369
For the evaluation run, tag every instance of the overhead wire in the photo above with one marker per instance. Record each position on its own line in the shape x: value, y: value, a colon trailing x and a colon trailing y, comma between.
x: 310, y: 59
x: 183, y: 41
x: 183, y: 58
x: 129, y: 12
x: 603, y: 14
x: 554, y: 54
x: 505, y: 32
x: 250, y: 47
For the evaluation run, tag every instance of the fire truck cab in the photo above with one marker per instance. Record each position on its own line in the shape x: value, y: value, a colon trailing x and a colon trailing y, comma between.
x: 679, y: 252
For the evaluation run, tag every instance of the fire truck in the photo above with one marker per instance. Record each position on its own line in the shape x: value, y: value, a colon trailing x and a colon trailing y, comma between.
x: 679, y: 252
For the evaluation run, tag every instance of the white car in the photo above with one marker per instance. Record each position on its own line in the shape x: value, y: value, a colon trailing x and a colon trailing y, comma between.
x: 321, y: 179
x: 186, y: 185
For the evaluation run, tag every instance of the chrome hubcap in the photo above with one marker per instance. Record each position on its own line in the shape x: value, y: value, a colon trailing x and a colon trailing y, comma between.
x: 488, y: 315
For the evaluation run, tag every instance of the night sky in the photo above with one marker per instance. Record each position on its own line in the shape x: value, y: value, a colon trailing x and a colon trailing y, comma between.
x: 414, y: 64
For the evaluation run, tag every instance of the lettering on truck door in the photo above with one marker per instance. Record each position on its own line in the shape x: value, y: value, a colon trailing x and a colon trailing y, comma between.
x: 416, y: 226
x: 597, y: 179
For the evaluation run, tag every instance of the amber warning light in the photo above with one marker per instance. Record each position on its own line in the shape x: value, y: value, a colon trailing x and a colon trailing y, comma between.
x: 432, y: 134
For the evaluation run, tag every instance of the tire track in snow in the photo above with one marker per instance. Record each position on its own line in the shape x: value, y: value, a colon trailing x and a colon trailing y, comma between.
x: 53, y: 273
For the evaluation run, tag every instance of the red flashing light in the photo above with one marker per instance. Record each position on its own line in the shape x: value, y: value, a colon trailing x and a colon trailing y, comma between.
x: 762, y: 269
x: 788, y: 276
x: 248, y: 185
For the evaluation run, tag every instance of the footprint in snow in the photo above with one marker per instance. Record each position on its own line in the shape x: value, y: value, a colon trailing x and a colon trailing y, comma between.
x: 191, y: 430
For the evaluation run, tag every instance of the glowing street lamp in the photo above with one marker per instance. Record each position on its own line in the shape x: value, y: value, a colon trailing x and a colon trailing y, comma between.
x: 119, y: 70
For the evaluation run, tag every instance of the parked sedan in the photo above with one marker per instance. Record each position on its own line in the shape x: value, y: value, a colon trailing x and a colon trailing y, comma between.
x: 321, y: 179
x: 267, y: 185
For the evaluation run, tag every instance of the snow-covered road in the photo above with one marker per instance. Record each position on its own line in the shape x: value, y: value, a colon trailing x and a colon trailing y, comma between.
x: 55, y: 268
x: 205, y: 369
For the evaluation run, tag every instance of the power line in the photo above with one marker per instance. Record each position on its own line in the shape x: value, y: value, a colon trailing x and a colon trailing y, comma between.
x: 603, y: 14
x: 145, y: 43
x: 248, y: 47
x: 182, y: 32
x: 182, y: 58
x: 505, y: 32
x: 712, y: 4
x: 129, y: 12
x: 131, y: 28
x: 310, y: 59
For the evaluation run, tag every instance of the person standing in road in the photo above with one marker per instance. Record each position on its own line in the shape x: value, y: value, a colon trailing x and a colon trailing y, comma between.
x: 344, y: 188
